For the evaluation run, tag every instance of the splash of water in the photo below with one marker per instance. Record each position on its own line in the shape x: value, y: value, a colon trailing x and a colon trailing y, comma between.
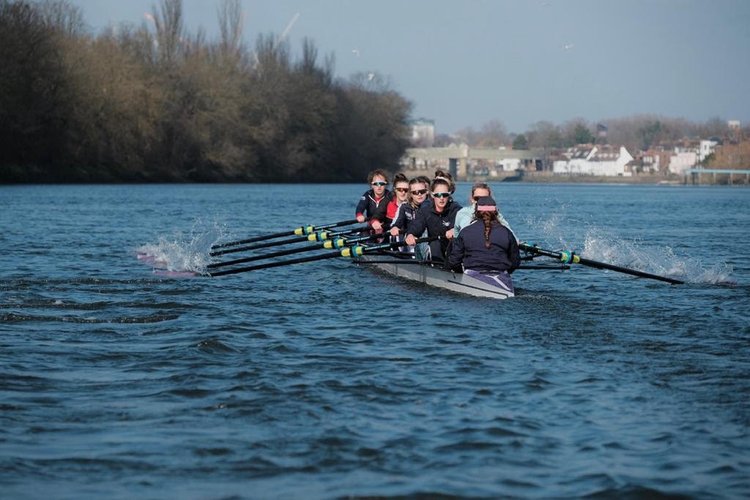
x: 656, y: 260
x: 180, y: 252
x: 598, y: 244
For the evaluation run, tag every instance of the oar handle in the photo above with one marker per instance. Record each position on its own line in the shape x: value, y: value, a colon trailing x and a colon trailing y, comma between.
x: 572, y: 258
x: 311, y: 229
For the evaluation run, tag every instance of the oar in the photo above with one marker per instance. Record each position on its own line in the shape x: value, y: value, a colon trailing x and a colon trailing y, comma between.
x: 329, y: 244
x: 352, y: 252
x: 298, y: 231
x: 570, y: 257
x: 315, y: 236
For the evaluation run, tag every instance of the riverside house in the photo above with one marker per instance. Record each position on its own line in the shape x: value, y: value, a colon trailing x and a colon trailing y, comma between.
x: 594, y: 160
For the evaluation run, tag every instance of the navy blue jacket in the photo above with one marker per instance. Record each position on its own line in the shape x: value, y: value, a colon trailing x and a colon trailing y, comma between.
x: 372, y: 209
x: 469, y: 249
x: 436, y: 224
x: 405, y: 214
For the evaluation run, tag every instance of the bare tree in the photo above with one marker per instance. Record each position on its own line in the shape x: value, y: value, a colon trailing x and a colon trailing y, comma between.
x: 230, y: 28
x: 170, y: 30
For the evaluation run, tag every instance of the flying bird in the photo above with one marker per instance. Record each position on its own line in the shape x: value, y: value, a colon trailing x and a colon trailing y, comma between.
x: 355, y: 52
x: 568, y: 46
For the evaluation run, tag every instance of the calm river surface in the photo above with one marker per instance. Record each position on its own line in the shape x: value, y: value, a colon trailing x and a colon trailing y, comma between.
x: 329, y: 380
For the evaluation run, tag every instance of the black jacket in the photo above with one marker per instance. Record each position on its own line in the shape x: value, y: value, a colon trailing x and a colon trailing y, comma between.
x: 469, y: 248
x: 436, y: 224
x: 372, y: 209
x: 404, y: 215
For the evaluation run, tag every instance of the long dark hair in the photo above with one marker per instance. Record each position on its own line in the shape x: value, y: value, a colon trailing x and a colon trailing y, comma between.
x: 488, y: 219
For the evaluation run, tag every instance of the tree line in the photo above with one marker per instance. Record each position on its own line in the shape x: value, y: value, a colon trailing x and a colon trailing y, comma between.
x: 636, y: 133
x: 157, y: 103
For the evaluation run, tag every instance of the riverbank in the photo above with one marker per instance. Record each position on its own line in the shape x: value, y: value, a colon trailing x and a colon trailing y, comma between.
x: 550, y: 178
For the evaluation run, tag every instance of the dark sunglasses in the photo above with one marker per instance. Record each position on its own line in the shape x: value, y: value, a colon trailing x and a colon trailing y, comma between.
x: 402, y: 190
x: 379, y: 183
x: 440, y: 195
x: 419, y: 192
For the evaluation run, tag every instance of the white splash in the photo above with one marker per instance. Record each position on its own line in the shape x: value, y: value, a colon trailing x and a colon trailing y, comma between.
x: 659, y: 260
x: 600, y: 245
x: 183, y: 252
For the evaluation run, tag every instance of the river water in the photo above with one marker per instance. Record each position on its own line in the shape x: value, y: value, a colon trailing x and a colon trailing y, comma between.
x: 328, y: 380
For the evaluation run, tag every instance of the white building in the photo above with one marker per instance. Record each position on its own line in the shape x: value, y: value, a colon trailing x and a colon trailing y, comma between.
x: 594, y: 160
x: 706, y: 148
x: 681, y: 160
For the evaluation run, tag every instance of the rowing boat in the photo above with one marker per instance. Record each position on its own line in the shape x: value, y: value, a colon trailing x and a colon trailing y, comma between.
x: 387, y: 258
x: 404, y: 266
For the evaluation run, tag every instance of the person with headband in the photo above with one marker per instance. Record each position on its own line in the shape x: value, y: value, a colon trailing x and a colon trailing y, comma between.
x: 486, y: 249
x: 446, y: 176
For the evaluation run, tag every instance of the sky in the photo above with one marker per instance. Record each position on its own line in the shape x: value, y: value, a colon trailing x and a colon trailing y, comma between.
x: 464, y: 63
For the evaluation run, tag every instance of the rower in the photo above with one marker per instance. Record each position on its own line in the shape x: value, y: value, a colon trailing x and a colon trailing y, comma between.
x: 486, y: 249
x: 437, y: 218
x: 372, y: 204
x: 465, y: 216
x: 419, y: 190
x: 400, y: 196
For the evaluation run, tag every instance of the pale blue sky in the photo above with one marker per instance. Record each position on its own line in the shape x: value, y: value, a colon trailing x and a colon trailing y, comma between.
x: 466, y: 62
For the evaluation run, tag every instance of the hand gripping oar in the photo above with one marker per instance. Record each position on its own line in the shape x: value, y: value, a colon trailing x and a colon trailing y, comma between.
x: 351, y: 252
x: 329, y: 244
x: 302, y: 230
x: 571, y: 257
x: 315, y: 236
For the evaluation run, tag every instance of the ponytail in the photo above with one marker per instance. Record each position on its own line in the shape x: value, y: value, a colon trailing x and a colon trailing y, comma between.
x: 487, y: 219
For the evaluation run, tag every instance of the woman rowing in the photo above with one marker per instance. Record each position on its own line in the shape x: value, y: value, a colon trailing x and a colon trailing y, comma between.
x: 419, y: 189
x: 465, y: 216
x: 437, y: 218
x: 372, y: 204
x: 486, y: 249
x: 400, y: 197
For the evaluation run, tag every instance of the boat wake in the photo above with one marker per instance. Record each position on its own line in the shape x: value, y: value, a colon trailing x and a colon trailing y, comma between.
x: 182, y: 255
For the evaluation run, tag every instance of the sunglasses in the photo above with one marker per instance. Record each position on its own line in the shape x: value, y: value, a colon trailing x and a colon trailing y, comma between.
x: 379, y: 183
x: 440, y: 195
x: 402, y: 190
x: 419, y: 192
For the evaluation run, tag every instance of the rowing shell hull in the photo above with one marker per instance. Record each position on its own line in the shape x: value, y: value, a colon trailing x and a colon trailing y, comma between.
x: 433, y: 276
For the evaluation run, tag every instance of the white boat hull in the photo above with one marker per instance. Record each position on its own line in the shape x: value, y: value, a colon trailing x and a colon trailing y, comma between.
x: 434, y: 276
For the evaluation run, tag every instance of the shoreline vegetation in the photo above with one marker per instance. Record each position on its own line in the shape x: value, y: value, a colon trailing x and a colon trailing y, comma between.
x: 156, y: 103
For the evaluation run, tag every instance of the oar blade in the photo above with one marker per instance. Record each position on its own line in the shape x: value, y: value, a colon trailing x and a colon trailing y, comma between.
x: 571, y: 257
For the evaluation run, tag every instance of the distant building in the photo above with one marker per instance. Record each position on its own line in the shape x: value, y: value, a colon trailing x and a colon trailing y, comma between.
x: 467, y: 163
x: 690, y: 153
x: 594, y: 160
x: 682, y: 160
x: 734, y: 125
x: 706, y: 148
x: 423, y: 133
x: 654, y: 161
